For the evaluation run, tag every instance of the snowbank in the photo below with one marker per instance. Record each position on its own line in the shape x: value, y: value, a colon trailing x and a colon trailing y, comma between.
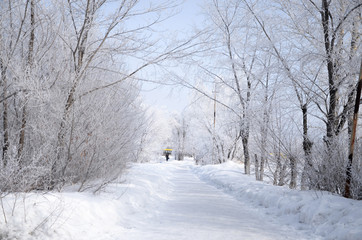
x: 74, y: 215
x: 330, y: 216
x: 130, y: 206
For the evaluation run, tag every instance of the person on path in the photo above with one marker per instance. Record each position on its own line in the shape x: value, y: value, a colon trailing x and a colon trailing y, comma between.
x: 167, y: 156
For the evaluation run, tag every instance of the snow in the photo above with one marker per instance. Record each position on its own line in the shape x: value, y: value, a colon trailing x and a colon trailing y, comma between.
x: 179, y: 200
x: 326, y: 215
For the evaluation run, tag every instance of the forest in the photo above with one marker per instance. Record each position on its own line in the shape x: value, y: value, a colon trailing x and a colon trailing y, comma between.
x: 274, y: 86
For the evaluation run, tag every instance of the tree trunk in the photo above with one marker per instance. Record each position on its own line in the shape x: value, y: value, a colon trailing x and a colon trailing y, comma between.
x: 293, y: 172
x: 257, y: 174
x: 5, y: 116
x: 282, y: 174
x: 245, y: 140
x: 351, y: 117
x: 264, y: 127
x: 244, y: 104
x: 22, y: 134
x: 264, y: 135
x: 278, y: 170
x: 30, y: 65
x: 349, y: 177
x: 333, y: 90
x: 307, y: 148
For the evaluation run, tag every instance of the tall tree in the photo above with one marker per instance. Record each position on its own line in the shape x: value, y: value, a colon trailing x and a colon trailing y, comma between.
x: 29, y: 66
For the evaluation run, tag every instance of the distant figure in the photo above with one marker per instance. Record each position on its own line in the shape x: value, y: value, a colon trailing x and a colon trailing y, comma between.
x: 167, y: 152
x: 167, y: 156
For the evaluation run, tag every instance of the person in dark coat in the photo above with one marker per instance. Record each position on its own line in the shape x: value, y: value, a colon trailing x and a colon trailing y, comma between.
x: 167, y: 156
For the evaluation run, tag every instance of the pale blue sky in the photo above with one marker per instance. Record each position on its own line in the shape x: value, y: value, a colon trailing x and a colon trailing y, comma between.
x: 172, y: 98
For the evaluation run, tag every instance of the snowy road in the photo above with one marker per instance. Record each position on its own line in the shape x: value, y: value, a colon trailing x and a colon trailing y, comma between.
x: 197, y: 210
x: 178, y: 200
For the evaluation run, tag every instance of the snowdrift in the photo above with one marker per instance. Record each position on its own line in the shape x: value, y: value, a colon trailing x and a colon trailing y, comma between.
x: 330, y: 216
x: 130, y: 205
x: 74, y: 215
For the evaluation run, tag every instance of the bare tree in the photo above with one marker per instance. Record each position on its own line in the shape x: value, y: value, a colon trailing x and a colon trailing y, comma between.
x: 235, y: 72
x: 29, y: 66
x: 69, y: 88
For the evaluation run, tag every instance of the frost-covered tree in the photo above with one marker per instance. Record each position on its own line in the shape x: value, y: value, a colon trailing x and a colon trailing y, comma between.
x: 71, y: 112
x: 330, y: 33
x: 292, y: 64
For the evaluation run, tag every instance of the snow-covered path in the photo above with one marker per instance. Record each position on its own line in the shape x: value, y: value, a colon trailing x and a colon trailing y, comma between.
x: 178, y: 200
x: 196, y: 210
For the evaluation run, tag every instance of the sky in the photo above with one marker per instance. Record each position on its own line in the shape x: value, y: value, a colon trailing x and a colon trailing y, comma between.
x: 174, y: 98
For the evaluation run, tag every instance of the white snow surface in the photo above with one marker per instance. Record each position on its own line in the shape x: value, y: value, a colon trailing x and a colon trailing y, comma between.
x: 179, y: 200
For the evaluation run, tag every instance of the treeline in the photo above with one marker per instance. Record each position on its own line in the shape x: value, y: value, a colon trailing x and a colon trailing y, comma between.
x: 70, y: 106
x: 276, y: 87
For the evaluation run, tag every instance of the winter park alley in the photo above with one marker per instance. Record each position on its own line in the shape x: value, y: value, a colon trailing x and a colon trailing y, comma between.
x: 180, y: 119
x: 194, y: 209
x: 178, y: 200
